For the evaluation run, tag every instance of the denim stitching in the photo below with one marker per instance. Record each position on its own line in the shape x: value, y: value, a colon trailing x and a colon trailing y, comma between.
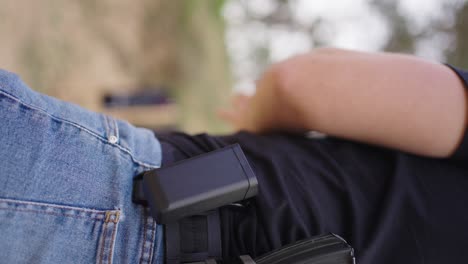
x: 159, y: 243
x: 11, y: 201
x: 111, y: 130
x: 145, y: 220
x: 148, y: 241
x: 116, y: 126
x: 153, y: 234
x: 92, y: 133
x: 111, y: 253
x: 103, y: 243
x: 112, y: 216
x: 106, y: 125
x: 113, y: 127
x: 107, y: 246
x: 51, y: 213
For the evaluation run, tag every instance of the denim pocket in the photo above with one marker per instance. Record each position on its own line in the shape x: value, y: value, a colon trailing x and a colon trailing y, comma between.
x: 33, y: 232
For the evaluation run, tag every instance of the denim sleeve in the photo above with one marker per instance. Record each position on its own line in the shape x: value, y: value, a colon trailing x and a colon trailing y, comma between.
x: 462, y: 151
x: 66, y: 179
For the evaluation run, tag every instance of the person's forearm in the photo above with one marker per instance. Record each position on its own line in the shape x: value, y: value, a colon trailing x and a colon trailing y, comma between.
x: 392, y: 100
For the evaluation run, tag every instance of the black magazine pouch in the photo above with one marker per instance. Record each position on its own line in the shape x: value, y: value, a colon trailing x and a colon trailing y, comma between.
x: 325, y: 249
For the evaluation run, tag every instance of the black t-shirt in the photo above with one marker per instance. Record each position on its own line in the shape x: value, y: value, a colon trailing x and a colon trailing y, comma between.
x: 462, y: 151
x: 392, y: 207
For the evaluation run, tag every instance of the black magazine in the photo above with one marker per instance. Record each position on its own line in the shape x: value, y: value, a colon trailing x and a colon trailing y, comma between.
x: 324, y: 249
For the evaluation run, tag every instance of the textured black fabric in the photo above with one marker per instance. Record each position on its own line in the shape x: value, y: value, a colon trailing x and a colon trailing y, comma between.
x: 195, y: 234
x: 462, y: 151
x: 390, y: 206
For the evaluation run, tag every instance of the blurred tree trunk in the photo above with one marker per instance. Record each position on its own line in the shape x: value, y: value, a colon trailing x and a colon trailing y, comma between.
x: 78, y: 50
x: 400, y: 38
x: 195, y: 59
x: 458, y: 53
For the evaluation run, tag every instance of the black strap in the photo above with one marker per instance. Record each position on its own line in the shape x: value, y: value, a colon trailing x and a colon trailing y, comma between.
x: 138, y: 195
x: 208, y: 261
x: 194, y: 239
x: 246, y: 259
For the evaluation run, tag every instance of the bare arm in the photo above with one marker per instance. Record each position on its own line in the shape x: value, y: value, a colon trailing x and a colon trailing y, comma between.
x: 392, y: 100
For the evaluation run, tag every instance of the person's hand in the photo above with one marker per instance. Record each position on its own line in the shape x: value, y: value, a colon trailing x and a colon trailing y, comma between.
x: 265, y: 111
x: 237, y: 115
x: 256, y: 113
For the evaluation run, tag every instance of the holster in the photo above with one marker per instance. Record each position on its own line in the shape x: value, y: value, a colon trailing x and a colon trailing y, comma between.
x: 186, y: 197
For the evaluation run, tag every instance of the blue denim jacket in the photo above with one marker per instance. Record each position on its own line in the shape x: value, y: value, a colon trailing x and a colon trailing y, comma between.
x: 66, y: 183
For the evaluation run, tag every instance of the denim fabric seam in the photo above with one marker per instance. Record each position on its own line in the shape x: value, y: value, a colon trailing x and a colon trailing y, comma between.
x: 106, y: 251
x: 50, y: 213
x: 106, y: 215
x: 153, y: 237
x: 92, y: 133
x: 105, y: 121
x: 144, y: 239
x: 12, y: 201
x: 114, y: 231
x: 101, y: 259
x: 112, y: 129
x: 159, y: 243
x: 147, y: 251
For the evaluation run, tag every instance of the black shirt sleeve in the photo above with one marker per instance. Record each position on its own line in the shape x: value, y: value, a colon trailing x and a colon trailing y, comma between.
x: 462, y: 151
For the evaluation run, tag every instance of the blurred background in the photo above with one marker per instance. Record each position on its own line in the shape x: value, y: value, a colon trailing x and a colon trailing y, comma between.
x: 167, y: 64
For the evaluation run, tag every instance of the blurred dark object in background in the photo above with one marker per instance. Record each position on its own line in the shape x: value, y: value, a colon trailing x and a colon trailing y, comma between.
x: 149, y: 107
x: 145, y: 96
